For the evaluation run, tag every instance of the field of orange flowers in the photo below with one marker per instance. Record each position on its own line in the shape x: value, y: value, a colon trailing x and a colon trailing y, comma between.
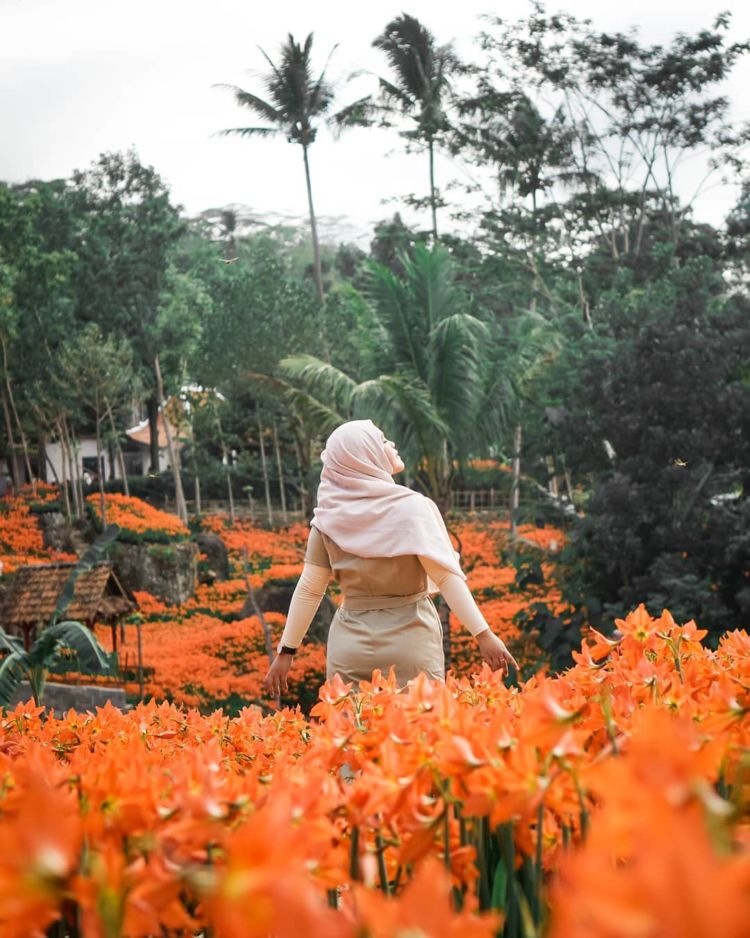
x: 136, y: 518
x: 205, y: 653
x: 608, y: 802
x: 21, y: 540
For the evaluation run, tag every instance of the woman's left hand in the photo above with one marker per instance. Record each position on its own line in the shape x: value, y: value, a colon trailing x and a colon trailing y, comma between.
x: 275, y: 680
x: 495, y: 652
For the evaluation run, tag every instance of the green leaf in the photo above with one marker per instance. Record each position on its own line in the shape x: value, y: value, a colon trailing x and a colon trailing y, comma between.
x: 94, y: 555
x: 12, y: 669
x: 499, y: 887
x: 92, y: 658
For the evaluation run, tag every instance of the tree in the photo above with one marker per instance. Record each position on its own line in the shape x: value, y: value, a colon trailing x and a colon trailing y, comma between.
x: 666, y: 386
x: 97, y: 373
x: 37, y: 306
x: 126, y: 243
x: 632, y: 114
x: 437, y: 375
x: 296, y: 99
x: 422, y: 71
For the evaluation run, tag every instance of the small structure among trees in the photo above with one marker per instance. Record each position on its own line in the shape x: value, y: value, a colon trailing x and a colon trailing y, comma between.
x: 32, y: 597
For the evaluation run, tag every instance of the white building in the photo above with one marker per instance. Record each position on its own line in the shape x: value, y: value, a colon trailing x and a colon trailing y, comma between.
x: 135, y: 455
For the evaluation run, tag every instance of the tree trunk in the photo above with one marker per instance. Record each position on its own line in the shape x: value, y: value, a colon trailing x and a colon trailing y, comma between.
x: 174, y: 455
x: 228, y: 469
x: 41, y: 459
x: 281, y: 474
x: 76, y: 474
x: 99, y: 473
x: 267, y: 634
x: 64, y: 483
x: 197, y: 495
x: 14, y: 411
x: 264, y: 467
x: 317, y: 270
x: 70, y: 458
x: 433, y: 194
x: 118, y: 450
x: 515, y: 484
x: 303, y: 493
x: 152, y: 410
x: 16, y: 465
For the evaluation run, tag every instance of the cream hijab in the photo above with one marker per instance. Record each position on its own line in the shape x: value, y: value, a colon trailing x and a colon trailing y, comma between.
x: 365, y: 512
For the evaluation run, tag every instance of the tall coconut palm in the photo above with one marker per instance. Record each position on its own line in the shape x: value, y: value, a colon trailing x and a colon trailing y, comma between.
x: 437, y: 378
x: 295, y: 99
x: 422, y: 70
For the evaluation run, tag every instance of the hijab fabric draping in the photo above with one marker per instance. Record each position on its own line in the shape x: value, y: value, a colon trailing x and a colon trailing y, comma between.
x: 365, y: 512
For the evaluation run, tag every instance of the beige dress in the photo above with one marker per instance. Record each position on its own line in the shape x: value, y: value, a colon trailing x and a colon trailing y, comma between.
x: 386, y: 616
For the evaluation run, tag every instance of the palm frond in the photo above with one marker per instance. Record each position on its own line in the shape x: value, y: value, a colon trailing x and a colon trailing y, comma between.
x: 12, y: 669
x: 429, y: 273
x: 359, y: 113
x: 248, y: 132
x: 396, y: 315
x: 391, y: 94
x: 91, y: 657
x: 406, y: 407
x: 319, y: 418
x: 10, y: 643
x: 255, y: 103
x: 94, y: 555
x: 456, y: 373
x: 327, y: 384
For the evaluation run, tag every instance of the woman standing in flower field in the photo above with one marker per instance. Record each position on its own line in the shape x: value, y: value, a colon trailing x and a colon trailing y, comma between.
x: 388, y: 548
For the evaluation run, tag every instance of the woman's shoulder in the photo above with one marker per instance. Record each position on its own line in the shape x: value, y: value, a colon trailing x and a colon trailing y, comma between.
x: 317, y: 548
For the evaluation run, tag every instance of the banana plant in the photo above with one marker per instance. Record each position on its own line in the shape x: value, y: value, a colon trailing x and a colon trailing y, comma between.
x: 46, y: 654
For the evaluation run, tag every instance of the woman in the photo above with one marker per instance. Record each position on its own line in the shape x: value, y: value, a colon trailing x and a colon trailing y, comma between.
x: 388, y: 548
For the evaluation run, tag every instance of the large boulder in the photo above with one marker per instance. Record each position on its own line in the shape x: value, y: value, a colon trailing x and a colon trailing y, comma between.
x: 167, y: 571
x: 59, y: 698
x: 216, y: 553
x: 56, y: 532
x: 275, y: 597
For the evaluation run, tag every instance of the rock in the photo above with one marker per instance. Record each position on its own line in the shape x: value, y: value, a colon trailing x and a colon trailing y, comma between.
x: 167, y: 571
x: 276, y: 598
x: 56, y: 531
x: 217, y: 556
x: 60, y: 698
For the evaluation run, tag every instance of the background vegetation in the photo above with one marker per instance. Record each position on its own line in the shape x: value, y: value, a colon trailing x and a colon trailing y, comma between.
x: 584, y: 328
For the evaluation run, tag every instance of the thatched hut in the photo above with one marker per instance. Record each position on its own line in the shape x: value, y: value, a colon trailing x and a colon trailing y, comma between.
x: 30, y: 599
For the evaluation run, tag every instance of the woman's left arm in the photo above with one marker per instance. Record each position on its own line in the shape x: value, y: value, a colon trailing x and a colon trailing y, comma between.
x: 458, y: 596
x: 308, y: 592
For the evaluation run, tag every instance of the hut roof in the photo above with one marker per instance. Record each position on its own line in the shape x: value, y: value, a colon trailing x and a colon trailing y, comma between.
x: 33, y: 594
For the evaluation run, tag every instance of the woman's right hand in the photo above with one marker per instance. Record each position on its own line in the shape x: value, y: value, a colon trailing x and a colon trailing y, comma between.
x: 495, y: 652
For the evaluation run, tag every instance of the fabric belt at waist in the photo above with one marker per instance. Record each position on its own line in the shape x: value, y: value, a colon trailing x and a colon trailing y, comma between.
x: 366, y: 603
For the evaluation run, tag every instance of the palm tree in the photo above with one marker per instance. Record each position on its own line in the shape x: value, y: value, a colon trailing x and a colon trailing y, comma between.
x: 438, y: 377
x: 295, y: 99
x: 422, y: 71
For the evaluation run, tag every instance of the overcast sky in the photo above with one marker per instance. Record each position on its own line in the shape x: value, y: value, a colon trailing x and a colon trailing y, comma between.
x: 78, y: 77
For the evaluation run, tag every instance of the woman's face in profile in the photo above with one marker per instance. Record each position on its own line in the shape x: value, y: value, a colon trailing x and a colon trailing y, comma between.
x: 397, y: 464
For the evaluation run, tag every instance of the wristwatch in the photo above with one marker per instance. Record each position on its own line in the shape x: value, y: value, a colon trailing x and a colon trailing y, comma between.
x: 286, y: 650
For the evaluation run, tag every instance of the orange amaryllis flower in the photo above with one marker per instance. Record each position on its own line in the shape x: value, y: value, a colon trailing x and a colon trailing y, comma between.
x: 264, y: 888
x: 40, y: 841
x: 424, y: 909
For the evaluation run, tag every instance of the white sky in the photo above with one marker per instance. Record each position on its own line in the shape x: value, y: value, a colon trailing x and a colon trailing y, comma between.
x: 78, y: 77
